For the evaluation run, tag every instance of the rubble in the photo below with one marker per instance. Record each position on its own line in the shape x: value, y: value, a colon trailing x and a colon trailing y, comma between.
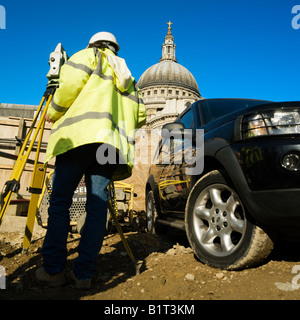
x: 170, y: 271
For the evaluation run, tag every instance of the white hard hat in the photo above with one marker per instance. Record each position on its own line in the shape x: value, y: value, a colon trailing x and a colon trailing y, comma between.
x: 104, y: 36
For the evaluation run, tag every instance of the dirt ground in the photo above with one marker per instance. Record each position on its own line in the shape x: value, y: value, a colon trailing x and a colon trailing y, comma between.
x: 169, y: 271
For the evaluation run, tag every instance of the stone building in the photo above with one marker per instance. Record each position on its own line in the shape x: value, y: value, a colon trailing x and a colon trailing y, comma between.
x: 17, y: 110
x: 167, y: 87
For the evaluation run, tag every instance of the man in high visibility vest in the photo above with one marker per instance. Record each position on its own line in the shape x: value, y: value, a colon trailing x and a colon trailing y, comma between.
x: 96, y: 111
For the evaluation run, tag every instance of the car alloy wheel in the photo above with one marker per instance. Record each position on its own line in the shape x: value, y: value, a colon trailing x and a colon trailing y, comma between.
x: 219, y: 220
x: 219, y: 229
x: 150, y: 212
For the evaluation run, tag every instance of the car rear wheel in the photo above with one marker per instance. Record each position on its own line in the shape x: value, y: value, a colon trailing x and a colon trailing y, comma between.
x: 218, y: 227
x: 151, y: 215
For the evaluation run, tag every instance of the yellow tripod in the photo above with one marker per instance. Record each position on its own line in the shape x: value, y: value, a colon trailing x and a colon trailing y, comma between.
x: 57, y: 59
x: 13, y: 185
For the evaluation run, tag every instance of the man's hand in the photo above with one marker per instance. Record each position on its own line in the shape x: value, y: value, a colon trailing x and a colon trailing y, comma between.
x: 48, y: 119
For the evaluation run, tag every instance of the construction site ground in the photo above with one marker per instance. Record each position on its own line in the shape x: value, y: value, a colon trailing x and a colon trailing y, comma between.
x: 169, y: 271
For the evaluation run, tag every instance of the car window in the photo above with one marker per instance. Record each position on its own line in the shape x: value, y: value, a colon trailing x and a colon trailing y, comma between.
x: 165, y: 152
x: 171, y: 149
x: 174, y: 144
x: 215, y: 108
x: 187, y: 119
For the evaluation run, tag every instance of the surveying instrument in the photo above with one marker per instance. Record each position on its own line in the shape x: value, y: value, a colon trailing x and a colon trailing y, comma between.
x: 57, y: 59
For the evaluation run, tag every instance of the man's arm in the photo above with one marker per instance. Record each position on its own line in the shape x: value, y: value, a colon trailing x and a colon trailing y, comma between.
x: 73, y: 76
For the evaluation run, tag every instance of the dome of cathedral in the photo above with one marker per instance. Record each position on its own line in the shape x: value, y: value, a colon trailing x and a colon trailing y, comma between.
x: 168, y: 72
x: 167, y: 88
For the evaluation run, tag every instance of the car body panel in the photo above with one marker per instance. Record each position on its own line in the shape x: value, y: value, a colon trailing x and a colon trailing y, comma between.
x: 270, y: 192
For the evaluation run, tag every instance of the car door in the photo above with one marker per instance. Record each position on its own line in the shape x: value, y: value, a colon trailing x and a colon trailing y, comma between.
x: 174, y: 184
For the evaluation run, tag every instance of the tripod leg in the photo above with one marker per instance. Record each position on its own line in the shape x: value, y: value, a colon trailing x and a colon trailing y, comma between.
x: 125, y: 243
x: 20, y: 164
x: 4, y: 205
x: 36, y: 188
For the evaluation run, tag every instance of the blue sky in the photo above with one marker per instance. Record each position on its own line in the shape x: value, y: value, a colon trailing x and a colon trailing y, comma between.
x: 233, y: 48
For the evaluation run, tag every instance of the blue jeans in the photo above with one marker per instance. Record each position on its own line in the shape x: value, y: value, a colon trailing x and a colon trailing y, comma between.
x: 69, y: 169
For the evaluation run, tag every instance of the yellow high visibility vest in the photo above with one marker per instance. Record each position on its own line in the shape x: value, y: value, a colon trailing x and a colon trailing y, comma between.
x: 97, y: 102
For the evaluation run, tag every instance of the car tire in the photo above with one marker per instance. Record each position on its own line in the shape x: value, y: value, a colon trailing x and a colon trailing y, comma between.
x: 218, y: 228
x: 152, y: 225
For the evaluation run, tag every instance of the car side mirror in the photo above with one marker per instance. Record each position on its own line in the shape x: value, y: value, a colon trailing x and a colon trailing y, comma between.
x: 172, y: 128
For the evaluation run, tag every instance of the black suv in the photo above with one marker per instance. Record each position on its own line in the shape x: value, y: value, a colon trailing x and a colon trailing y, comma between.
x: 248, y: 192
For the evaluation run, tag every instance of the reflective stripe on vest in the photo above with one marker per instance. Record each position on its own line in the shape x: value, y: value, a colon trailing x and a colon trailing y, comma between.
x: 93, y: 116
x: 80, y: 66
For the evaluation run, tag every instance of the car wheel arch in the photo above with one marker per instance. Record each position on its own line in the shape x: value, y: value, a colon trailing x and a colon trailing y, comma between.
x: 210, y: 164
x: 150, y: 186
x: 226, y: 162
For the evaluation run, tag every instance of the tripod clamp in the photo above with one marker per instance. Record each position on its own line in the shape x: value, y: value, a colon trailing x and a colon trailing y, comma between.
x: 11, y: 185
x: 51, y: 88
